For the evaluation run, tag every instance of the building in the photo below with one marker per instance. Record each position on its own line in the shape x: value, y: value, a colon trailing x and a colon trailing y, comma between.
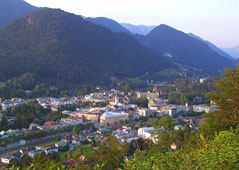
x: 50, y: 150
x: 173, y: 110
x: 148, y: 95
x: 144, y: 112
x: 6, y: 159
x: 174, y: 146
x: 71, y: 121
x: 145, y: 132
x: 61, y: 144
x: 157, y: 102
x: 203, y: 108
x: 112, y: 118
x: 35, y: 127
x: 22, y: 142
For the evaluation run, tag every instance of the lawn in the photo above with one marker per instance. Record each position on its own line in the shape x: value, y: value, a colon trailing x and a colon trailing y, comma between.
x: 85, y: 149
x: 2, y: 84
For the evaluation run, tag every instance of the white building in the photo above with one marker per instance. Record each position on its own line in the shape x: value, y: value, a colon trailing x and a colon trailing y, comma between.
x: 203, y: 108
x: 145, y: 132
x: 144, y: 112
x: 6, y: 159
x: 50, y: 150
x: 71, y: 121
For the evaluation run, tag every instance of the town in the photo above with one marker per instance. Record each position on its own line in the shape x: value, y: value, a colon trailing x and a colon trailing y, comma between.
x: 129, y: 116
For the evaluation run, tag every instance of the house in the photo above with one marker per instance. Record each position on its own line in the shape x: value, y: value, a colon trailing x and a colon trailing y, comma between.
x: 203, y: 108
x: 174, y: 146
x: 157, y: 102
x: 35, y: 127
x: 50, y: 150
x: 6, y: 159
x: 145, y: 132
x: 32, y: 154
x: 61, y: 144
x: 144, y: 112
x: 51, y: 125
x: 67, y: 139
x: 72, y: 121
x: 77, y: 139
x: 22, y: 142
x: 148, y: 95
x: 103, y: 131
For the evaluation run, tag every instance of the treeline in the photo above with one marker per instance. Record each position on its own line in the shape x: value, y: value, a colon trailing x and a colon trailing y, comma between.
x: 183, y: 91
x: 25, y: 114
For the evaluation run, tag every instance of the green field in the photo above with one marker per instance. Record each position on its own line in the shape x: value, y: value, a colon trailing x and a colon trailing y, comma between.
x: 86, y: 149
x: 2, y: 84
x: 168, y: 72
x: 135, y: 80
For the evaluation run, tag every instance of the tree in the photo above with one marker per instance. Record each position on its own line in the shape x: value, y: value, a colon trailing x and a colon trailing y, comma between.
x: 76, y: 130
x: 110, y: 154
x: 139, y: 124
x: 167, y: 122
x: 152, y: 122
x: 226, y: 99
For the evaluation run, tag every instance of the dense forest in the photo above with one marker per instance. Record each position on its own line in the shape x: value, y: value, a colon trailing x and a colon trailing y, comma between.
x: 60, y: 47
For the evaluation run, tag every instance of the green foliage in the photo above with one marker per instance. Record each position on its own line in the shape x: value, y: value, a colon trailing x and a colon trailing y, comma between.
x: 166, y: 122
x: 226, y: 99
x: 141, y: 102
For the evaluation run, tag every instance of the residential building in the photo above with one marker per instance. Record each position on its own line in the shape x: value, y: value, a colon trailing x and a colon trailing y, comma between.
x: 50, y: 150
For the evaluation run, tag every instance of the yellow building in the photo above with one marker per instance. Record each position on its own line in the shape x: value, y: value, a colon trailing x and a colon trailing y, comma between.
x: 111, y: 118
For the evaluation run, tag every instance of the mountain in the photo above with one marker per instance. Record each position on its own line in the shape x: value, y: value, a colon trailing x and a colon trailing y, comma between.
x: 13, y: 9
x: 138, y: 29
x: 234, y: 51
x: 108, y: 23
x: 183, y: 49
x: 213, y: 47
x: 56, y: 45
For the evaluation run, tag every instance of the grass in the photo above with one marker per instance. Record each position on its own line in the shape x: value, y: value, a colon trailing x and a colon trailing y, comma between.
x: 135, y: 81
x: 168, y: 72
x: 86, y: 149
x: 2, y: 84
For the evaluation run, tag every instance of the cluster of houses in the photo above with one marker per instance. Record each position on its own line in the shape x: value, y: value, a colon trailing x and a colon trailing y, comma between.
x: 117, y: 112
x: 68, y: 141
x: 11, y: 103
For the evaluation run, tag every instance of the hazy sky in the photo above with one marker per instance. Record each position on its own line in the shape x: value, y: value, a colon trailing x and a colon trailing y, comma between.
x: 213, y: 20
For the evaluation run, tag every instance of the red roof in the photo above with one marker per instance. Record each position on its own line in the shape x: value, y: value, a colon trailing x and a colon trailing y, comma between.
x: 119, y: 129
x: 49, y: 123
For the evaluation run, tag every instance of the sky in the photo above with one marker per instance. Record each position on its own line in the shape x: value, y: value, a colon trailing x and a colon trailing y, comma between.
x: 214, y: 20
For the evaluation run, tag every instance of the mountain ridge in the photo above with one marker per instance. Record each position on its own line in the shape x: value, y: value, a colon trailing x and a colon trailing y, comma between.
x: 213, y: 47
x: 233, y: 51
x: 138, y: 29
x: 14, y: 9
x: 167, y: 40
x: 54, y: 44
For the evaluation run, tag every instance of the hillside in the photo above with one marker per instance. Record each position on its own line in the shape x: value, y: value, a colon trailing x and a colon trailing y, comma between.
x: 183, y: 49
x: 213, y: 47
x: 138, y: 29
x: 233, y: 51
x: 108, y: 23
x: 62, y: 46
x: 13, y: 9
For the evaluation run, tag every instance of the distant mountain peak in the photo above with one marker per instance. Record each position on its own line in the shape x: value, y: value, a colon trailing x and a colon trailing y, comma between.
x: 108, y: 23
x: 138, y: 29
x: 13, y: 9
